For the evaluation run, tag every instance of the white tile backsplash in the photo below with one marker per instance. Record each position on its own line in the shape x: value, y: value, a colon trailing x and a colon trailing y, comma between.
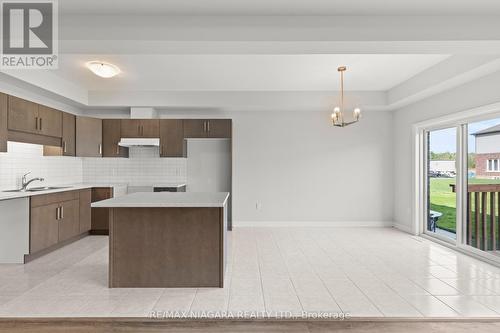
x: 24, y: 157
x: 144, y: 167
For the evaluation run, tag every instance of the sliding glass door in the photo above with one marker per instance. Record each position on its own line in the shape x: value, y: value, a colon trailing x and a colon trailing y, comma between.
x: 483, y: 186
x: 461, y: 193
x: 441, y: 180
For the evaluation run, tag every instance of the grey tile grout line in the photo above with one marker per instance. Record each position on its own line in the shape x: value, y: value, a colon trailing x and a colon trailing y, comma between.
x: 287, y: 269
x: 319, y: 277
x: 260, y: 270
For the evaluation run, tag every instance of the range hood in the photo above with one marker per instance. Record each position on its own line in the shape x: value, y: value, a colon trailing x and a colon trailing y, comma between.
x: 139, y: 142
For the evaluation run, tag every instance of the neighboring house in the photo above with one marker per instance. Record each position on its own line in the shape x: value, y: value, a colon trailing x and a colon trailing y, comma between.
x: 488, y: 153
x: 442, y: 166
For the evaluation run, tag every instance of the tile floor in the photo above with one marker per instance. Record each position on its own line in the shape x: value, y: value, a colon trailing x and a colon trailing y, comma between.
x: 364, y: 272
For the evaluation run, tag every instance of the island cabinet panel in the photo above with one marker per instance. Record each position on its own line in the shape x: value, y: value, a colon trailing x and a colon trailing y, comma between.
x: 23, y: 115
x: 171, y: 138
x: 68, y: 134
x: 100, y: 216
x: 111, y: 135
x: 88, y: 137
x: 166, y: 247
x: 3, y: 122
x: 49, y: 121
x: 69, y: 223
x: 140, y: 128
x: 85, y: 210
x: 44, y: 227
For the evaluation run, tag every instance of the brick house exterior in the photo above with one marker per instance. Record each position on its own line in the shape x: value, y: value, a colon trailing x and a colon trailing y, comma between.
x: 488, y: 153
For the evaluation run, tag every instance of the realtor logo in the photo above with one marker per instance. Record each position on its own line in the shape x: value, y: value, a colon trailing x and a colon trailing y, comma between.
x: 29, y: 34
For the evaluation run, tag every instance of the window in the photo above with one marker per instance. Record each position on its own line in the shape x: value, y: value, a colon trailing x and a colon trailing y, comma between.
x: 494, y: 165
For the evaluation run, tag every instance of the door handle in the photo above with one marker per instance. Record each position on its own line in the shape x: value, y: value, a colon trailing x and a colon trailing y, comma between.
x: 64, y: 146
x: 208, y: 126
x: 36, y: 123
x: 62, y: 212
x: 204, y: 126
x: 57, y: 213
x: 100, y: 149
x: 138, y: 129
x: 40, y: 123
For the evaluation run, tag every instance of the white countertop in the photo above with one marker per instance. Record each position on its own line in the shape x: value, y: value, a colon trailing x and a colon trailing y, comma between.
x: 67, y: 187
x: 166, y: 199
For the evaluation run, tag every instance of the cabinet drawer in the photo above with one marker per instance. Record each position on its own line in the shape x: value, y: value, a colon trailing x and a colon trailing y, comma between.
x: 46, y: 199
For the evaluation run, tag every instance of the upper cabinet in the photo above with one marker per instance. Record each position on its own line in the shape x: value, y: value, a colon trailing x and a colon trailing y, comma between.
x: 140, y: 128
x: 68, y: 134
x: 171, y: 138
x: 23, y: 115
x: 207, y: 128
x: 111, y: 135
x: 3, y: 123
x: 50, y: 121
x: 88, y: 137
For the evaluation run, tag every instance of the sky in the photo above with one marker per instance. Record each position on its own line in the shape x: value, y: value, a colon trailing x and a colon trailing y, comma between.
x: 442, y: 141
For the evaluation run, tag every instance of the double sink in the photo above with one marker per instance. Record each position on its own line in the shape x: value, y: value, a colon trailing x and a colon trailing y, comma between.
x: 41, y: 188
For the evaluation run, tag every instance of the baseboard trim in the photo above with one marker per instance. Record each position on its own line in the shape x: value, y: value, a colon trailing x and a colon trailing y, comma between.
x: 405, y: 228
x: 340, y: 224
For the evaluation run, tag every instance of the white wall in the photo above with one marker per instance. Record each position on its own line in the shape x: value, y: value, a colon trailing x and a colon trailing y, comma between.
x: 477, y: 93
x: 299, y: 168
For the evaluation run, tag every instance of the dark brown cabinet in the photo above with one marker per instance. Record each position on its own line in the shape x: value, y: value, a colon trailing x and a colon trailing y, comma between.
x: 69, y: 221
x: 50, y: 121
x: 85, y: 210
x: 68, y: 134
x: 100, y: 216
x: 3, y: 122
x: 58, y: 217
x: 207, y: 128
x: 88, y: 137
x: 23, y: 115
x: 44, y: 228
x: 140, y: 128
x: 171, y: 138
x: 29, y: 117
x: 111, y: 135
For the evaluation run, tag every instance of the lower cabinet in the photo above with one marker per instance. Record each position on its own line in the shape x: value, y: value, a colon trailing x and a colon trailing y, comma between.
x: 69, y: 221
x: 58, y: 217
x: 100, y: 216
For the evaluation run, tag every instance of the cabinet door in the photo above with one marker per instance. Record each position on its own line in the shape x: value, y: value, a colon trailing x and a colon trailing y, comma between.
x: 44, y: 229
x: 150, y: 128
x: 88, y: 137
x: 85, y: 210
x: 69, y: 221
x: 195, y: 128
x: 22, y: 115
x: 111, y: 129
x: 3, y: 122
x: 171, y: 138
x: 219, y: 128
x: 130, y: 128
x: 100, y: 216
x: 50, y: 121
x: 68, y: 134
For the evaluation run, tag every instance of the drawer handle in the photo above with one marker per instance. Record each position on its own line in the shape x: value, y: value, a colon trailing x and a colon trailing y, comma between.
x: 40, y: 123
x: 100, y: 149
x: 36, y: 123
x: 64, y: 146
x: 62, y: 212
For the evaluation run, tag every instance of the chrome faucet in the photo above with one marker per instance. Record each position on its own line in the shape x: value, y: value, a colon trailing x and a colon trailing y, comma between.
x: 25, y: 182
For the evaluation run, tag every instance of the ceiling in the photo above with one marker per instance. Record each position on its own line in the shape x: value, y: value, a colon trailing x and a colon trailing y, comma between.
x: 282, y: 7
x: 247, y: 72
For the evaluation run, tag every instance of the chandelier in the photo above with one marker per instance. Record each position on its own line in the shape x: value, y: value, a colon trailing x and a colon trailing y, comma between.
x: 338, y: 111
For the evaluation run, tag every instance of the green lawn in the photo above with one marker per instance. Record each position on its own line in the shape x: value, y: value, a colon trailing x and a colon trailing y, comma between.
x: 443, y: 200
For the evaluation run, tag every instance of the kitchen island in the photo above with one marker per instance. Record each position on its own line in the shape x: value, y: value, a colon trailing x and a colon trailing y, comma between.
x: 163, y: 240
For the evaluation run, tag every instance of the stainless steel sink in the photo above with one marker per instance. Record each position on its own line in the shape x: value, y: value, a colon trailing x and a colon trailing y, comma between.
x: 42, y: 188
x: 46, y: 188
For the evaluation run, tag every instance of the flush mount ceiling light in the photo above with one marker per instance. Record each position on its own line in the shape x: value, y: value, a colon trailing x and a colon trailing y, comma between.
x: 103, y: 69
x: 338, y: 111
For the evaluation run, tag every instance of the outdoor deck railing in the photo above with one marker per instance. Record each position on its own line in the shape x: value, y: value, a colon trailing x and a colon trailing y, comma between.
x: 483, y: 203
